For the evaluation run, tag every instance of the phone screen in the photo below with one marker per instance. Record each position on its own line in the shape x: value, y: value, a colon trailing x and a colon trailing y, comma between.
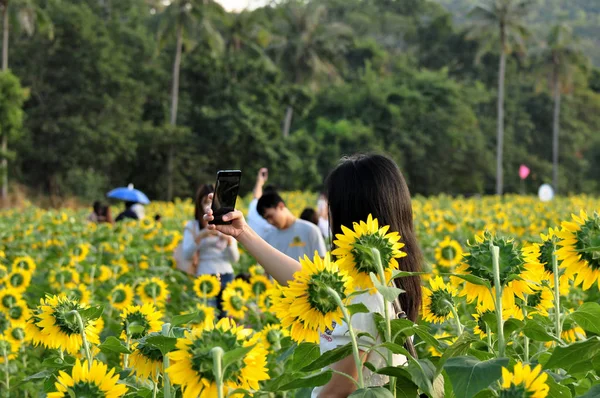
x: 226, y: 192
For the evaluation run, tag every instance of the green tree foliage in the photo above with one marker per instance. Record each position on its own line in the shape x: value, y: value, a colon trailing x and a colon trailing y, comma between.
x: 12, y: 97
x: 362, y: 75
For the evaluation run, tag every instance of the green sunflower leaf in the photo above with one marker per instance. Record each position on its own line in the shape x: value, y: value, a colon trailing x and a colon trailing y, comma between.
x: 574, y: 354
x: 303, y: 354
x: 92, y: 313
x: 373, y: 392
x: 468, y: 375
x: 358, y: 308
x: 536, y: 331
x: 329, y: 357
x: 592, y: 393
x: 184, y: 318
x: 459, y: 348
x: 317, y: 380
x: 389, y: 293
x: 472, y: 279
x: 234, y: 355
x: 588, y: 317
x: 401, y: 274
x: 557, y: 390
x: 163, y: 343
x: 112, y: 344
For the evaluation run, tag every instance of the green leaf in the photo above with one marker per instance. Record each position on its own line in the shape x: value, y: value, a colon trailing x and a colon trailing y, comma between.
x: 58, y: 363
x: 135, y: 329
x: 303, y: 354
x: 234, y: 355
x: 112, y: 344
x: 427, y: 337
x: 163, y: 343
x: 422, y: 373
x: 594, y: 392
x: 329, y: 357
x: 310, y: 381
x: 469, y: 375
x: 588, y: 317
x: 92, y: 313
x: 472, y: 279
x: 460, y: 347
x: 511, y: 325
x: 358, y: 308
x: 40, y: 375
x: 184, y: 318
x: 401, y: 274
x: 557, y: 390
x: 389, y: 293
x: 374, y: 392
x: 535, y: 331
x: 405, y: 388
x: 572, y: 355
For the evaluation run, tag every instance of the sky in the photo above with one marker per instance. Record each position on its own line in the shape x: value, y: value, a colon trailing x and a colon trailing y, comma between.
x: 238, y: 5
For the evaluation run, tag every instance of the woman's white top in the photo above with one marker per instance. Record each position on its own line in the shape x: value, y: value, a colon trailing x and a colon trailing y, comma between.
x: 216, y: 256
x: 362, y: 323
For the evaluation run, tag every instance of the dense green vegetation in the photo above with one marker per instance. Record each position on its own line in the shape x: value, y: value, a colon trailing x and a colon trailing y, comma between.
x: 343, y: 75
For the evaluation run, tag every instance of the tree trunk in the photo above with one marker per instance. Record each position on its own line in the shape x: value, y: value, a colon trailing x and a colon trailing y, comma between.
x: 555, y: 131
x: 500, y: 138
x: 287, y: 122
x: 174, y: 103
x: 4, y: 165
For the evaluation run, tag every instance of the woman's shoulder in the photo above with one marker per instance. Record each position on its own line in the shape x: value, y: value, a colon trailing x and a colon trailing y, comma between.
x: 191, y: 225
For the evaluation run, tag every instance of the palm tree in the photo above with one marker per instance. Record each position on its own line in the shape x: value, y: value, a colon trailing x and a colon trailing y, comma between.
x: 307, y: 46
x: 500, y: 23
x: 26, y: 15
x: 183, y: 20
x: 560, y: 57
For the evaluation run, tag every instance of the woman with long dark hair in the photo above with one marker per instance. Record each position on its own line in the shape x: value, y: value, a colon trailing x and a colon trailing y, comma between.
x: 207, y: 250
x: 360, y: 185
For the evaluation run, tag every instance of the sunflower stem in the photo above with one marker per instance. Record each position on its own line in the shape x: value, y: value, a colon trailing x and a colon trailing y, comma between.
x: 166, y: 331
x: 459, y: 326
x: 217, y: 355
x: 86, y: 347
x: 388, y: 321
x: 525, y: 338
x: 92, y: 275
x: 497, y: 285
x: 556, y: 292
x: 488, y: 334
x: 355, y: 351
x: 6, y: 370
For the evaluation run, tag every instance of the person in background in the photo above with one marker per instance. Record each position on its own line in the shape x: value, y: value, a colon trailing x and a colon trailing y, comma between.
x: 100, y: 213
x: 157, y: 218
x: 256, y: 222
x: 128, y: 213
x: 294, y: 237
x: 138, y: 209
x: 212, y: 252
x: 323, y: 214
x: 309, y: 214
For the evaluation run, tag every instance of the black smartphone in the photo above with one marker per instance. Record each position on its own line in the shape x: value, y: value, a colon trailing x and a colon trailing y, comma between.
x: 226, y: 192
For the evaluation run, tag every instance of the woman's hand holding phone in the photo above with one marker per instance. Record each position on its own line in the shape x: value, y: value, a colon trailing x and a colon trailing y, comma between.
x: 238, y: 224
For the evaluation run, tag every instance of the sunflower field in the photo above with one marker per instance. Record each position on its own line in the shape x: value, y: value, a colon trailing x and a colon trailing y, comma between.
x: 510, y: 307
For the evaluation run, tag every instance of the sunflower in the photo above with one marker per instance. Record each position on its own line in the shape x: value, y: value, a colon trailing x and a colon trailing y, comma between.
x: 206, y: 316
x: 192, y: 365
x: 104, y: 273
x: 63, y: 277
x: 4, y: 322
x: 539, y: 302
x: 259, y: 284
x: 478, y: 262
x: 121, y: 296
x: 571, y: 333
x: 9, y: 298
x: 143, y: 264
x: 79, y: 253
x: 153, y: 290
x: 265, y: 300
x: 79, y: 293
x: 243, y: 288
x: 60, y: 328
x: 449, y: 253
x: 481, y: 328
x: 353, y: 248
x: 25, y: 263
x: 146, y: 360
x: 234, y: 303
x: 147, y: 224
x: 537, y: 253
x: 207, y: 286
x: 270, y: 336
x: 507, y: 313
x: 580, y: 249
x: 18, y: 279
x: 3, y: 274
x: 16, y: 335
x: 85, y: 381
x: 299, y: 331
x: 256, y: 270
x: 438, y: 301
x: 445, y: 339
x: 312, y: 302
x: 18, y: 313
x: 140, y: 320
x: 524, y: 382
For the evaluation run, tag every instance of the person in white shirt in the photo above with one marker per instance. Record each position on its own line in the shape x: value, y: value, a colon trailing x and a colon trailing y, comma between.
x: 360, y: 185
x: 209, y: 251
x: 255, y: 221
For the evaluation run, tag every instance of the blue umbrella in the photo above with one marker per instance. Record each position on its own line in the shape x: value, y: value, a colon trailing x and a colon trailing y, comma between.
x: 129, y: 194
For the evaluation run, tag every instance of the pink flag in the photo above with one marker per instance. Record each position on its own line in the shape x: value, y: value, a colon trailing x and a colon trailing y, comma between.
x: 523, y: 171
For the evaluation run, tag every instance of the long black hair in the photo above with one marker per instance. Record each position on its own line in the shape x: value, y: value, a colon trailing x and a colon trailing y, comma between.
x: 201, y: 193
x: 373, y: 184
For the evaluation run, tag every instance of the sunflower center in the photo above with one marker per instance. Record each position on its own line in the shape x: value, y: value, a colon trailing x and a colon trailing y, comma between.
x: 15, y: 312
x: 149, y: 352
x: 273, y: 336
x: 588, y: 242
x: 318, y: 296
x: 236, y: 302
x: 267, y: 302
x: 515, y: 392
x: 533, y: 300
x: 76, y: 294
x: 152, y: 290
x: 4, y: 322
x: 8, y: 301
x: 480, y: 260
x: 363, y: 256
x: 87, y: 390
x: 119, y: 296
x: 449, y: 253
x: 202, y: 361
x: 259, y: 287
x: 17, y: 280
x: 546, y: 256
x: 64, y: 277
x: 23, y: 265
x: 441, y: 301
x: 64, y: 318
x: 18, y: 333
x: 206, y: 287
x: 139, y: 321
